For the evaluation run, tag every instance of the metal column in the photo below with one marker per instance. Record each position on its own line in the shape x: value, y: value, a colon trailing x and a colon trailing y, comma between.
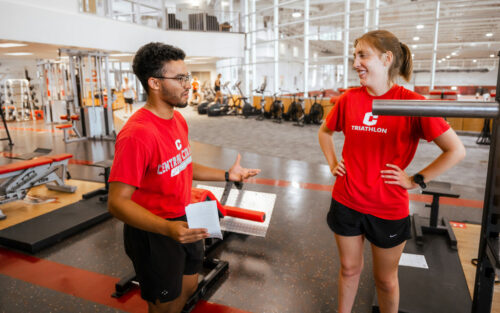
x: 434, y: 47
x: 276, y: 46
x: 347, y: 10
x: 306, y: 48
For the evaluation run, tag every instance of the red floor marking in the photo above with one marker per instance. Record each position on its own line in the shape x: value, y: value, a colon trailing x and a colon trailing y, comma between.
x: 80, y: 162
x: 413, y: 197
x: 207, y: 307
x: 83, y: 284
x: 38, y: 130
x: 80, y: 283
x: 449, y: 201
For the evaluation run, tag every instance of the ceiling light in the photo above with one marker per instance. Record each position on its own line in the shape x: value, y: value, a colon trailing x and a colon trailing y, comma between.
x: 296, y: 14
x: 413, y: 55
x: 420, y: 26
x: 489, y: 34
x: 416, y: 38
x: 448, y: 56
x: 453, y: 87
x: 414, y: 46
x: 11, y: 45
x: 224, y: 3
x: 474, y: 60
x: 440, y: 61
x: 18, y: 53
x: 121, y: 55
x: 492, y: 55
x: 453, y: 53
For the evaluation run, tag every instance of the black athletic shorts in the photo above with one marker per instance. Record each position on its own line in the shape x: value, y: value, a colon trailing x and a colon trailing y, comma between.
x: 160, y: 262
x: 195, y: 90
x: 129, y: 100
x: 381, y: 232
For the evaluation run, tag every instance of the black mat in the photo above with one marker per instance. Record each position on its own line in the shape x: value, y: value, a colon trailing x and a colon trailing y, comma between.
x: 440, y: 288
x: 45, y: 230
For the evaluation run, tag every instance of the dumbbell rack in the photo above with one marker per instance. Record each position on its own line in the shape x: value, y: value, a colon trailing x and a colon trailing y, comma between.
x: 4, y: 122
x: 489, y: 244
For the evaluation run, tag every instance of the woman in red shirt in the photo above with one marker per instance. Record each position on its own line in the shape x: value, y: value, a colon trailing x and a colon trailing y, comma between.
x: 370, y: 198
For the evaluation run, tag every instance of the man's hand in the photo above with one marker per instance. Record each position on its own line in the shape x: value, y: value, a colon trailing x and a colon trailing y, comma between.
x: 179, y: 231
x: 238, y: 173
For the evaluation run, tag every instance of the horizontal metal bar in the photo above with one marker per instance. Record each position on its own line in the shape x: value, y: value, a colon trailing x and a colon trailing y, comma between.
x: 440, y: 108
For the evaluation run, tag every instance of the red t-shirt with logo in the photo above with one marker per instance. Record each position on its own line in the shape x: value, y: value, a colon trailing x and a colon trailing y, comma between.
x: 153, y: 154
x: 373, y: 141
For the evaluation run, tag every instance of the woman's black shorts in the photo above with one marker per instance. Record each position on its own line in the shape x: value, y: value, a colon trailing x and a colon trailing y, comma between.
x: 160, y: 262
x: 381, y: 232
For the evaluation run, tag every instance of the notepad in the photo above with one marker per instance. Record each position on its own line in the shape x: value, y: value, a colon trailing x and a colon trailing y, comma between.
x: 204, y: 215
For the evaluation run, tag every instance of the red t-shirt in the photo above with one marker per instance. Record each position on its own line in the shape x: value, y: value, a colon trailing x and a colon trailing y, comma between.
x: 370, y: 143
x: 153, y: 154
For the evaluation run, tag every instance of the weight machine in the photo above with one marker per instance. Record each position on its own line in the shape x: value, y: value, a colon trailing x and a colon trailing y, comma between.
x: 17, y: 97
x: 91, y: 90
x: 489, y: 246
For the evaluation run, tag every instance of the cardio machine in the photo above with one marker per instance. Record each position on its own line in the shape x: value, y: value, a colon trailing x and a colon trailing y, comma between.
x: 218, y: 109
x: 242, y: 106
x: 315, y: 115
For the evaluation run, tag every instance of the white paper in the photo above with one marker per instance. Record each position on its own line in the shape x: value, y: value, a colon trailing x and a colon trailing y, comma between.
x: 413, y: 260
x: 204, y: 215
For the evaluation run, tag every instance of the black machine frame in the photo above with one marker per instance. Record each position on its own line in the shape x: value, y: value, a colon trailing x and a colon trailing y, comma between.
x: 489, y: 245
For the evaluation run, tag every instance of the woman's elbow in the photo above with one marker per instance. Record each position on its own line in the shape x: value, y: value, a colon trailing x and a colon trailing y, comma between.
x: 459, y: 152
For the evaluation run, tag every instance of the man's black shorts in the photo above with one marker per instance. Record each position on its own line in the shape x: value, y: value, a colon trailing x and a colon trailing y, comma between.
x: 129, y: 100
x: 160, y: 262
x: 381, y: 232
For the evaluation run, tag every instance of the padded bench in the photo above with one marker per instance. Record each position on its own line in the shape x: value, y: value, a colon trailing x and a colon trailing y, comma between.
x: 73, y: 126
x: 17, y: 178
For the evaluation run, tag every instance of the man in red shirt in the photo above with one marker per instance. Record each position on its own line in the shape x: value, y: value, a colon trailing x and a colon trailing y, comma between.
x: 151, y: 178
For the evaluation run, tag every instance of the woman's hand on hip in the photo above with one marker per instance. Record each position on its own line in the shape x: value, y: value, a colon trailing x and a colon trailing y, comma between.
x: 339, y: 169
x: 396, y: 176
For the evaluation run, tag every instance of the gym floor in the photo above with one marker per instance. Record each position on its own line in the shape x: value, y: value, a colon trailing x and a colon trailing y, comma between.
x: 292, y: 269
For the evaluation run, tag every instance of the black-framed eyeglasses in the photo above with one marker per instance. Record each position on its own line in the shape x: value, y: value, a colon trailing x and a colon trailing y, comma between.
x: 182, y: 79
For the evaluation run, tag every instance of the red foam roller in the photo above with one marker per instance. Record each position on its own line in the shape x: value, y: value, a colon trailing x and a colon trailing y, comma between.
x: 251, y: 215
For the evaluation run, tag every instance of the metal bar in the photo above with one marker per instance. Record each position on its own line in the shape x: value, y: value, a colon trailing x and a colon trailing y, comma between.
x: 440, y: 108
x: 434, y: 47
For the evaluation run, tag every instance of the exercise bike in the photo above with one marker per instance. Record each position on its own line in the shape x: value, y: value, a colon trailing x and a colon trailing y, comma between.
x: 245, y: 108
x: 277, y: 108
x: 295, y: 109
x: 315, y: 115
x: 262, y: 110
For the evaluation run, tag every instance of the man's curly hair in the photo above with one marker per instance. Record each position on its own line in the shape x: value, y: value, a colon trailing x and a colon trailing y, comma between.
x: 150, y: 58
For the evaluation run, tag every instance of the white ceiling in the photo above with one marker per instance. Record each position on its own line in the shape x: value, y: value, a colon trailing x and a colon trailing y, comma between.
x: 463, y: 26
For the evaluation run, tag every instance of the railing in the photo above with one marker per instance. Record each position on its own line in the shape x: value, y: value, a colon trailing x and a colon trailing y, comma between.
x: 157, y: 15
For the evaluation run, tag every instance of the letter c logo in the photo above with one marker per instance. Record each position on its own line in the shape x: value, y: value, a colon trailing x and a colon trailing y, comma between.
x: 370, y: 119
x: 178, y: 144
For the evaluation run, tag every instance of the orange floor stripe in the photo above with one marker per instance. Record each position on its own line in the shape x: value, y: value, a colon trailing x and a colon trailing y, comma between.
x: 82, y: 284
x: 207, y: 307
x: 477, y: 204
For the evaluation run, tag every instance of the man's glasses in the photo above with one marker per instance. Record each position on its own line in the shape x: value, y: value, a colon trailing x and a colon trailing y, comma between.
x: 182, y: 79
